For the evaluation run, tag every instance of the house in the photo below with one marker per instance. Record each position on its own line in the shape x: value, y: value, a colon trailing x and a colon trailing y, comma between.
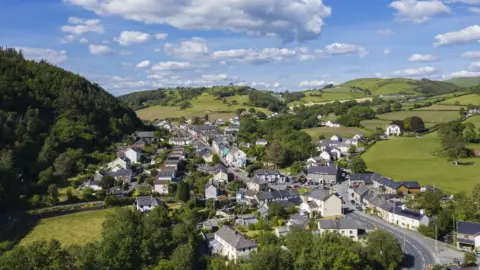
x: 245, y: 220
x: 271, y: 176
x: 323, y: 174
x: 236, y: 158
x: 359, y: 193
x: 148, y: 136
x: 332, y: 124
x: 171, y: 163
x: 166, y: 173
x: 345, y: 227
x: 468, y: 236
x: 409, y: 187
x: 220, y: 122
x: 146, y: 203
x: 180, y: 141
x: 393, y: 130
x: 281, y: 231
x: 211, y: 191
x: 207, y: 156
x: 119, y: 175
x: 221, y: 175
x: 233, y: 244
x: 161, y: 186
x: 141, y: 144
x: 133, y: 155
x: 364, y: 179
x: 321, y: 202
x: 336, y: 138
x: 385, y: 184
x: 261, y: 142
x: 93, y: 184
x: 407, y: 218
x: 118, y: 164
x: 284, y: 197
x: 378, y: 205
x: 299, y: 221
x: 358, y: 137
x: 257, y: 184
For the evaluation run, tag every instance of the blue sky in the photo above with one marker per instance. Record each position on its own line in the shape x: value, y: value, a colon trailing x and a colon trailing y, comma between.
x: 131, y: 45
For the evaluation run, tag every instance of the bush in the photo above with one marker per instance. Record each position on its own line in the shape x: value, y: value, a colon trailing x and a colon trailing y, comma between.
x: 111, y: 200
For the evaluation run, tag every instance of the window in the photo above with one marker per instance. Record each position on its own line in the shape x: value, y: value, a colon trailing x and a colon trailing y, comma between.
x: 351, y: 232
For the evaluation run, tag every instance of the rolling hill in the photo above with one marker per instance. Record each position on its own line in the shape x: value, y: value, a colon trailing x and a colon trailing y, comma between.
x: 465, y: 82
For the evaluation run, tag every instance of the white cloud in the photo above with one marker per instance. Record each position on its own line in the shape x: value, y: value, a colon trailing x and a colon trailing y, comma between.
x: 125, y: 53
x: 172, y: 66
x: 287, y: 19
x: 343, y: 48
x: 385, y: 32
x: 387, y: 51
x: 79, y: 26
x: 475, y: 10
x: 161, y: 36
x: 471, y: 54
x: 83, y: 40
x: 314, y: 83
x: 413, y: 72
x: 468, y: 34
x: 99, y: 49
x: 377, y: 74
x: 266, y: 55
x: 191, y: 49
x: 422, y: 58
x: 475, y: 66
x: 128, y: 38
x: 470, y: 2
x: 465, y: 73
x: 143, y: 64
x: 51, y: 56
x: 67, y: 39
x: 418, y: 11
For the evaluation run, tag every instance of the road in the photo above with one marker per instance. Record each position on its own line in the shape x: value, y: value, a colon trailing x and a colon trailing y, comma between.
x: 418, y: 254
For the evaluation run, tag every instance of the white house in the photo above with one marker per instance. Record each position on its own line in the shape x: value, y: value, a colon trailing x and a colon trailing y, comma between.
x: 468, y: 236
x: 261, y: 142
x: 336, y: 137
x: 161, y: 186
x: 393, y: 130
x: 146, y: 203
x: 211, y: 191
x: 332, y: 124
x: 257, y: 184
x: 133, y: 155
x: 166, y: 173
x: 358, y: 137
x: 345, y: 227
x: 321, y: 202
x: 236, y: 158
x: 272, y: 176
x: 220, y: 176
x: 118, y: 164
x: 407, y: 218
x: 233, y: 244
x: 180, y: 141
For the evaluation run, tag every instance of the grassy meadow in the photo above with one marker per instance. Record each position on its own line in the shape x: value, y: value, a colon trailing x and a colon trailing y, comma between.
x: 346, y: 132
x: 427, y: 116
x: 463, y: 100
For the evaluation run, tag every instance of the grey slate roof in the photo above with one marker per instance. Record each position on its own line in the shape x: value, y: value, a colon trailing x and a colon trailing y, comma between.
x: 145, y: 134
x: 469, y: 228
x: 234, y: 238
x: 409, y: 213
x: 258, y: 181
x: 323, y: 170
x: 146, y: 200
x: 411, y: 184
x: 365, y: 177
x: 298, y: 219
x: 319, y: 194
x: 267, y: 172
x: 341, y: 224
x: 360, y: 190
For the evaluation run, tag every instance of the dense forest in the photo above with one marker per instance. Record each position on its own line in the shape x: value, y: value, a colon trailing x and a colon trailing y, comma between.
x: 52, y: 124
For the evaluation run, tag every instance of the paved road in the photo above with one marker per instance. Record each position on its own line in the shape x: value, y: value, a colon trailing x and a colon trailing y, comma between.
x: 418, y: 254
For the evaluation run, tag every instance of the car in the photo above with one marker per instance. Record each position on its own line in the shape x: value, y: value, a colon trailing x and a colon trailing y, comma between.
x: 353, y: 202
x: 359, y: 208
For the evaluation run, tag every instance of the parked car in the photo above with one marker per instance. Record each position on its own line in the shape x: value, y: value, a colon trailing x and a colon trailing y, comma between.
x: 359, y: 208
x: 353, y: 202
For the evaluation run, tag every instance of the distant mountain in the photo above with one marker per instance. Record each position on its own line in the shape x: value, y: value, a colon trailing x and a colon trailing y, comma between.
x: 465, y: 82
x: 51, y: 120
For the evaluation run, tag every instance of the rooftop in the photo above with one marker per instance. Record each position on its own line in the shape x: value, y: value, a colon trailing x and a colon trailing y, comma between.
x: 146, y: 200
x: 234, y: 238
x: 325, y: 170
x: 470, y: 228
x: 341, y: 224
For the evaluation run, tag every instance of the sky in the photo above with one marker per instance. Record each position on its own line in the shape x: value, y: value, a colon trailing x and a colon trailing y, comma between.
x: 132, y: 45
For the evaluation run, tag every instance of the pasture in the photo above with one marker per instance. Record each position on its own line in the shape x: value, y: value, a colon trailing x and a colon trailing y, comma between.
x: 463, y: 100
x: 427, y: 116
x: 346, y: 132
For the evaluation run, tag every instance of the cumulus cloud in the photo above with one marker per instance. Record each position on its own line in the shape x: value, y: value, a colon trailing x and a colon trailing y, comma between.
x: 343, y: 48
x: 219, y: 77
x: 422, y: 58
x: 475, y: 66
x: 469, y: 2
x: 51, y: 56
x: 128, y: 38
x: 266, y: 55
x: 418, y: 11
x: 385, y: 32
x: 83, y: 40
x: 465, y: 73
x: 387, y: 51
x: 99, y: 49
x: 471, y: 54
x: 314, y: 83
x: 161, y: 36
x: 475, y: 10
x: 143, y: 64
x: 191, y: 49
x: 288, y: 19
x: 172, y: 66
x: 79, y: 26
x: 414, y: 72
x: 468, y: 34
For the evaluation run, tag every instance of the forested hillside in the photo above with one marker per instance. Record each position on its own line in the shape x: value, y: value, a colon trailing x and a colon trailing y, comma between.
x: 51, y: 120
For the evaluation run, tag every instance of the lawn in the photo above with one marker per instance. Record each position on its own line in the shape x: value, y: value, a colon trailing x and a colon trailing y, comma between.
x: 78, y: 228
x: 463, y: 100
x: 203, y: 104
x: 346, y: 132
x: 427, y: 116
x: 411, y: 159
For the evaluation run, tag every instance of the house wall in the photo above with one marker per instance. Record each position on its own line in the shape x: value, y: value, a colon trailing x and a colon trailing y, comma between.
x: 332, y: 207
x: 351, y: 233
x: 211, y: 192
x: 162, y: 189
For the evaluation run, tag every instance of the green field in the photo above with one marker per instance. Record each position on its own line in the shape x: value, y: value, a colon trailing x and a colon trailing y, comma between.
x: 374, y: 123
x: 203, y: 104
x: 463, y: 100
x: 437, y: 107
x: 78, y: 228
x: 346, y: 132
x: 333, y: 94
x: 411, y: 159
x: 427, y: 116
x: 465, y: 82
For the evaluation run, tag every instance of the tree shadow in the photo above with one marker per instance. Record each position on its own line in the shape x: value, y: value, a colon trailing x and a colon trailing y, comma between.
x: 408, y: 261
x: 18, y: 228
x: 466, y: 163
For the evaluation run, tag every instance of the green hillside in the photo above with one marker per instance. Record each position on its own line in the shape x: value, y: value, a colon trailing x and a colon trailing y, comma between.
x: 376, y: 86
x: 465, y: 82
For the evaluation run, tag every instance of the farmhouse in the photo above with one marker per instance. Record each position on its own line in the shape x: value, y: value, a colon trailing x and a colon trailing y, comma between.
x: 323, y: 174
x: 211, y: 190
x: 345, y: 227
x: 233, y: 244
x: 468, y: 236
x: 332, y: 124
x: 393, y: 130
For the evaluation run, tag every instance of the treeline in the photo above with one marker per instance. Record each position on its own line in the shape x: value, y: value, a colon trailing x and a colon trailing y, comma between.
x: 163, y: 97
x: 51, y: 116
x: 168, y: 240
